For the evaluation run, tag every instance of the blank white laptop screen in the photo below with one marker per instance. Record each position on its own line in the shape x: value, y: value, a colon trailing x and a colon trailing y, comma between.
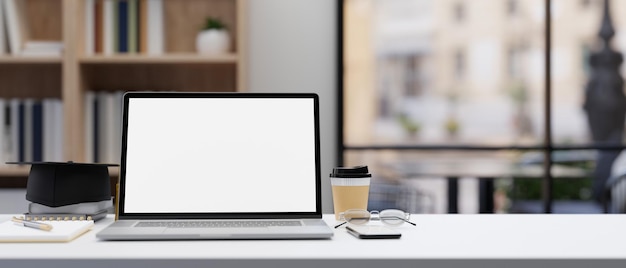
x: 221, y: 155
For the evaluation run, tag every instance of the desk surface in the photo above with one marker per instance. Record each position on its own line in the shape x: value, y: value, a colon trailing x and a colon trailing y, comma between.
x: 435, y: 237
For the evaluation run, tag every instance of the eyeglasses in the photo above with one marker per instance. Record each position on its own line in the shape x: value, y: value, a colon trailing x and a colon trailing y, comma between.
x: 392, y: 217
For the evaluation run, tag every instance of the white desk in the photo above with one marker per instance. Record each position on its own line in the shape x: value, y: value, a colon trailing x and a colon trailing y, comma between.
x: 439, y: 240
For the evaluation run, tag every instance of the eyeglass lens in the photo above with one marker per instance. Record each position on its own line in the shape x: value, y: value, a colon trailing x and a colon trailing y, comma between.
x: 393, y: 217
x: 388, y: 216
x: 355, y: 216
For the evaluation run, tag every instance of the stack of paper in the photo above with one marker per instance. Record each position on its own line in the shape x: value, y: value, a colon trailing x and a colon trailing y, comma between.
x: 62, y: 231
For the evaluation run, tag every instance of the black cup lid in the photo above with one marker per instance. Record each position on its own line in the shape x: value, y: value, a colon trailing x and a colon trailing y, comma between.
x: 351, y: 172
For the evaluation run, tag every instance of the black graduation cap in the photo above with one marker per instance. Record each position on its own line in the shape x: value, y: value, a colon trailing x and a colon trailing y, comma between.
x: 56, y: 184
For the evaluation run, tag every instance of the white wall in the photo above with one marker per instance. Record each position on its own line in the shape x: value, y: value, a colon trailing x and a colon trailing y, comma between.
x: 293, y: 48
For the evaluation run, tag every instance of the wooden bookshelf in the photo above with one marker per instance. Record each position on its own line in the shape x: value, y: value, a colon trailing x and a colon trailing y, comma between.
x: 14, y: 171
x: 173, y: 58
x: 69, y: 76
x: 30, y: 60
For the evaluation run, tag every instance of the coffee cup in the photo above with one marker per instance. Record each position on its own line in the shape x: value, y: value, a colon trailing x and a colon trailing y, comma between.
x: 350, y: 187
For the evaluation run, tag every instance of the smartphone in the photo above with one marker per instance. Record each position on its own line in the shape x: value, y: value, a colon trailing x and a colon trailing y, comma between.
x: 372, y: 232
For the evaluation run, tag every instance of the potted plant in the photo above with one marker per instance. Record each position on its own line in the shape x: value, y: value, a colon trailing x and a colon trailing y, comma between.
x: 214, y: 38
x: 452, y: 126
x: 409, y: 125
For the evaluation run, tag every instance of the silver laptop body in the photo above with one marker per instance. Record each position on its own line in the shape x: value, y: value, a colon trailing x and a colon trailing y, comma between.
x: 219, y: 166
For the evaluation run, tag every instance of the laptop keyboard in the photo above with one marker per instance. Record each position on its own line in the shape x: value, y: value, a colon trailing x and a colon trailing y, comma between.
x: 217, y: 224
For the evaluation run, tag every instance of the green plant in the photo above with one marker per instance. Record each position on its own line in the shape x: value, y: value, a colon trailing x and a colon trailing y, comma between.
x: 452, y: 125
x: 518, y: 93
x: 213, y: 24
x: 409, y: 125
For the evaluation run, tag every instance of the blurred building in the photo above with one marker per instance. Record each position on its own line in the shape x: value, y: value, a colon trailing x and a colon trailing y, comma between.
x: 467, y: 71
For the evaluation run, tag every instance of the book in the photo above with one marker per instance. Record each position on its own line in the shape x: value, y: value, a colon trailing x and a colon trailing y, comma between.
x: 108, y: 25
x: 66, y: 216
x: 108, y: 128
x: 42, y: 48
x: 98, y: 26
x: 48, y: 130
x: 115, y: 19
x: 156, y: 28
x: 58, y: 134
x: 122, y: 26
x: 143, y: 26
x: 133, y: 8
x: 15, y: 25
x: 90, y: 20
x: 103, y: 126
x: 37, y: 128
x: 62, y: 231
x: 3, y: 37
x: 3, y: 132
x: 21, y: 140
x: 80, y: 208
x: 104, y: 129
x: 118, y: 99
x: 6, y: 134
x: 53, y: 130
x: 56, y: 46
x: 89, y: 126
x: 95, y: 114
x: 14, y: 126
x: 28, y: 130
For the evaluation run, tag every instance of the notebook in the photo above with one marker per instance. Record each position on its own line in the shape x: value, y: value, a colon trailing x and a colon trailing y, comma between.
x: 219, y: 166
x: 62, y: 231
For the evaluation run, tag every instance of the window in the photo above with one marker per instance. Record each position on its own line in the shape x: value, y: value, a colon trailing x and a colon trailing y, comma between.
x: 472, y: 92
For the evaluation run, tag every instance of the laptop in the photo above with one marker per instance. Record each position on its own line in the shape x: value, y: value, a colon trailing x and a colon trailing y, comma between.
x: 219, y: 166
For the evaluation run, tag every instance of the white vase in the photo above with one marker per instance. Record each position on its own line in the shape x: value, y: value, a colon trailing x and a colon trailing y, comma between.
x: 211, y: 42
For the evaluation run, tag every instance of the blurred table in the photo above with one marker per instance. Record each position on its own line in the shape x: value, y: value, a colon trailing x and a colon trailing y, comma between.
x: 485, y: 170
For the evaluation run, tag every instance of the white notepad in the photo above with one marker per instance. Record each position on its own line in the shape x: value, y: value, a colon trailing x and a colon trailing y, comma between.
x: 62, y: 231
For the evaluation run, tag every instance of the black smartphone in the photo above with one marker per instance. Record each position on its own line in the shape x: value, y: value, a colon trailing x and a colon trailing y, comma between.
x: 373, y: 232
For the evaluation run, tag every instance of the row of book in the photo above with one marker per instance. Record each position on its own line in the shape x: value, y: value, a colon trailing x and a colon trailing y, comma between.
x: 103, y: 122
x: 14, y: 33
x: 124, y: 26
x: 31, y: 130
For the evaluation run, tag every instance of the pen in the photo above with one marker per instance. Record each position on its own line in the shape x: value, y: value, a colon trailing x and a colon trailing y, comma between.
x: 33, y: 224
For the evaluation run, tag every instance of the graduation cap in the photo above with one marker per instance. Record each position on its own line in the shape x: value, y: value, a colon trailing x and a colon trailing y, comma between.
x: 56, y: 184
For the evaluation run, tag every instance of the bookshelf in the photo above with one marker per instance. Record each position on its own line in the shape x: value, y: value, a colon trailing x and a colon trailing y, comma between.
x: 77, y: 71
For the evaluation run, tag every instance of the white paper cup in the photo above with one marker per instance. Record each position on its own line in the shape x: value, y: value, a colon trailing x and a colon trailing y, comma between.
x: 350, y: 191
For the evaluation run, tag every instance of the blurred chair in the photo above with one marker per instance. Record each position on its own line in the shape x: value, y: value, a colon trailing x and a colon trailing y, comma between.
x: 615, y: 194
x: 398, y: 196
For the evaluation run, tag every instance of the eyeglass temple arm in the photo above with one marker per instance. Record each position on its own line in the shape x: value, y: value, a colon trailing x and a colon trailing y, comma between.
x: 400, y: 218
x: 338, y: 225
x: 355, y: 218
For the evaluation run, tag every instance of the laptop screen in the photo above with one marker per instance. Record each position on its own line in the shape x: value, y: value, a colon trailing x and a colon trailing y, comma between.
x: 220, y: 153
